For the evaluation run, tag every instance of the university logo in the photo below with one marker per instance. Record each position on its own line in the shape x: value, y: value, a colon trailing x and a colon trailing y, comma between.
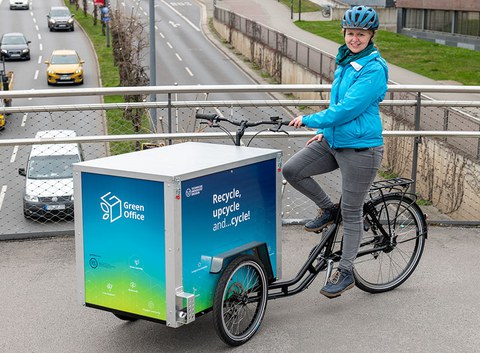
x: 111, y: 207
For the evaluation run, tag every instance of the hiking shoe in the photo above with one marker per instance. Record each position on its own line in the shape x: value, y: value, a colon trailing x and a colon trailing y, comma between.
x: 324, y: 218
x: 339, y: 282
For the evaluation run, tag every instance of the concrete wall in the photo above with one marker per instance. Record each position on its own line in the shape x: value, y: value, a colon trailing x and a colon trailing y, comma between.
x: 453, y: 40
x: 449, y: 180
x: 444, y: 177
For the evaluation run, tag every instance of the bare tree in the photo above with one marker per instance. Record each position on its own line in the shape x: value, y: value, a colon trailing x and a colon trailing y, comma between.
x: 130, y: 44
x: 95, y: 14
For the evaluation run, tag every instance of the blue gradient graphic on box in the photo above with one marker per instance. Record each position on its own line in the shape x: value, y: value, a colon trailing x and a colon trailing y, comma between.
x: 124, y: 244
x: 220, y: 212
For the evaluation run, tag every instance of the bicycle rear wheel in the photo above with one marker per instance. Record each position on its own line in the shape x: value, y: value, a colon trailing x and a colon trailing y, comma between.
x: 386, y: 269
x: 240, y: 300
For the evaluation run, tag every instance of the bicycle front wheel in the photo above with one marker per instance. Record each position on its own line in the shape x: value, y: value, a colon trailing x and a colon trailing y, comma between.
x: 240, y: 300
x: 397, y: 257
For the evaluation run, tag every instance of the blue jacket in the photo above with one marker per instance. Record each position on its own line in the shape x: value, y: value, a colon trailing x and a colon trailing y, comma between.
x: 353, y: 118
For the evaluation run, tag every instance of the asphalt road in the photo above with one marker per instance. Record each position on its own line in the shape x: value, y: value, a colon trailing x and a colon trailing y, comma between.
x: 28, y: 75
x: 437, y: 310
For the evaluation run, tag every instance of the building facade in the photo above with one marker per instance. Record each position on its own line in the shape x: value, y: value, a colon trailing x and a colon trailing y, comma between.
x: 448, y: 22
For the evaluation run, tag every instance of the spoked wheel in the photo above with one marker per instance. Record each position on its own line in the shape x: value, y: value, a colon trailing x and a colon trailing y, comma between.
x: 240, y: 300
x: 388, y: 268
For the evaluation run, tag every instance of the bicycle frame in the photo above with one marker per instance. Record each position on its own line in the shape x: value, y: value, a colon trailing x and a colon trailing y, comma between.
x: 325, y: 261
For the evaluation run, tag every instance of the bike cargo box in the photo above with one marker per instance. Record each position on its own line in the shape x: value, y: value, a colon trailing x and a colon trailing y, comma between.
x: 154, y: 228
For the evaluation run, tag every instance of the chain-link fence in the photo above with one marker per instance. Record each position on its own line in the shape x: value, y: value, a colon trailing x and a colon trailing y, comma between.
x: 36, y: 188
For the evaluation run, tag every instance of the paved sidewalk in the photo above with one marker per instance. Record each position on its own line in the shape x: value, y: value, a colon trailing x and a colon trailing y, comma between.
x: 436, y: 310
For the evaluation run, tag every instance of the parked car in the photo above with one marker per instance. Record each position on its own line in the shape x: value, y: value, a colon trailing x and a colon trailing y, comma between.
x: 60, y: 17
x: 19, y: 4
x: 14, y: 46
x: 64, y: 66
x: 49, y: 176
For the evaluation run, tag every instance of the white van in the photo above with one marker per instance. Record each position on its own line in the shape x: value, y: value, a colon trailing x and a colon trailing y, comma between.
x: 49, y: 176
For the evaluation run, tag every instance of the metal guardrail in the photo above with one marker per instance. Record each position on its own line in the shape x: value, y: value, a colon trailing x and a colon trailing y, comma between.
x: 414, y: 114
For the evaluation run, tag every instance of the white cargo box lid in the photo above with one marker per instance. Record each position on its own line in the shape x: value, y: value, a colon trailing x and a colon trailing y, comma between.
x: 183, y: 160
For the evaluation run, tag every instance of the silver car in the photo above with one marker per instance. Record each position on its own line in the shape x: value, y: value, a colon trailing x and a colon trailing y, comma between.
x: 60, y: 17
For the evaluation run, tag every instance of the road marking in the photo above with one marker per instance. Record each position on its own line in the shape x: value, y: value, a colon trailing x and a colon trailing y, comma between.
x: 168, y: 43
x: 24, y: 119
x: 178, y: 57
x: 36, y: 75
x: 14, y: 154
x: 174, y: 25
x: 161, y: 35
x: 188, y: 70
x: 34, y: 20
x: 39, y: 36
x: 2, y: 195
x: 39, y: 59
x: 41, y: 47
x: 36, y: 27
x: 179, y: 14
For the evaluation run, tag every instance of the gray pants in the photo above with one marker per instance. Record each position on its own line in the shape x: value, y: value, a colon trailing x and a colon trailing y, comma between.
x: 358, y: 169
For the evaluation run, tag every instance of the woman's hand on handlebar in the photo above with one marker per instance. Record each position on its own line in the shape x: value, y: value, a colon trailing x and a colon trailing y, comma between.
x: 296, y: 122
x: 318, y: 137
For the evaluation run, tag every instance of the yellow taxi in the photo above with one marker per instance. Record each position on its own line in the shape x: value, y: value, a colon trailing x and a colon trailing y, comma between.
x: 2, y: 121
x: 64, y: 66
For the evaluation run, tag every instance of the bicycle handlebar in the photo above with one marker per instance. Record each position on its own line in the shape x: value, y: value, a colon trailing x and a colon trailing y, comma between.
x: 214, y: 120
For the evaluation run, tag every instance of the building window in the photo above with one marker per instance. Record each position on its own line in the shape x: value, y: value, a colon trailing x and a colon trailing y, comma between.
x: 467, y: 23
x: 414, y: 19
x: 439, y: 20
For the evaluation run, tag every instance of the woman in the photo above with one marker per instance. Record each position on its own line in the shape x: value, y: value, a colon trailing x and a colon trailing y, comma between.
x: 349, y: 137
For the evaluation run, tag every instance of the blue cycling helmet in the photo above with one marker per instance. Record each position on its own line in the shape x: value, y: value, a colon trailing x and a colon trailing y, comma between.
x: 360, y: 17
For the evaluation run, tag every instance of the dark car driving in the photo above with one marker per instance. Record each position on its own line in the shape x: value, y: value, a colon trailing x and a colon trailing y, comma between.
x: 14, y: 46
x: 60, y: 17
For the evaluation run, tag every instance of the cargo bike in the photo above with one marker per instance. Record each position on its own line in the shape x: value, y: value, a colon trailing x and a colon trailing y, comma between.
x: 169, y: 234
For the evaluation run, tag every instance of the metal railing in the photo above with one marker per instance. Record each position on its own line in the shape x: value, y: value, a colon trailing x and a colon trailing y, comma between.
x: 411, y: 150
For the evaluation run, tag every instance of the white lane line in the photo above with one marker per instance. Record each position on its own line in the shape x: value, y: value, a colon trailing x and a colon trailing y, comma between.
x: 24, y: 119
x: 37, y: 28
x: 36, y: 75
x: 146, y: 14
x: 34, y: 20
x: 39, y: 59
x: 39, y: 36
x: 14, y: 154
x: 179, y: 14
x: 41, y: 46
x: 188, y: 70
x: 2, y: 195
x: 161, y: 35
x: 168, y: 43
x: 178, y: 57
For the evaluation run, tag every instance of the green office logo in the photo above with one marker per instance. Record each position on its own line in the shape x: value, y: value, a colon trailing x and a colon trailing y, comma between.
x: 111, y: 207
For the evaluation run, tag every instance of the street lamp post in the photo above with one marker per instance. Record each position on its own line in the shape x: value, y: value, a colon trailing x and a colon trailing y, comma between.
x: 153, y: 64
